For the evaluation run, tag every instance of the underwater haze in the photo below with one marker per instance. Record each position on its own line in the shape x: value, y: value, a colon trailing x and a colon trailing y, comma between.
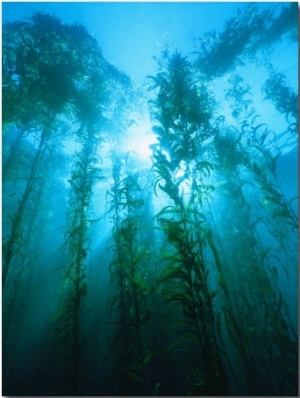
x: 150, y: 199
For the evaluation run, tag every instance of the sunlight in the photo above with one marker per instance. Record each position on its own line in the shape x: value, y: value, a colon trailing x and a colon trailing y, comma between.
x: 138, y: 139
x: 150, y: 199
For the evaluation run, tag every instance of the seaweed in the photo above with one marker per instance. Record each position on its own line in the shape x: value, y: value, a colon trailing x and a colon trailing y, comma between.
x: 122, y: 277
x: 184, y: 224
x: 130, y: 349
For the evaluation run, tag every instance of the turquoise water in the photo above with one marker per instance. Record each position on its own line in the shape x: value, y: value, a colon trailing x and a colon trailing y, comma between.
x: 149, y: 218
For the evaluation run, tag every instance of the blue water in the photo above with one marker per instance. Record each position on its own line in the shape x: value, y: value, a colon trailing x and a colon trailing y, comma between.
x: 150, y: 199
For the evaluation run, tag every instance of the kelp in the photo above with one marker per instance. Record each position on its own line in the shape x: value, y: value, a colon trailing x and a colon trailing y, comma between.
x: 77, y: 246
x: 283, y: 97
x: 130, y: 349
x: 44, y: 95
x: 179, y: 132
x: 243, y: 268
x: 254, y: 262
x: 245, y: 34
x: 33, y: 77
x: 172, y: 279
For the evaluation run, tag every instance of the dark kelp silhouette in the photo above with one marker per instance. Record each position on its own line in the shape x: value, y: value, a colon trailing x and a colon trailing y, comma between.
x: 125, y: 279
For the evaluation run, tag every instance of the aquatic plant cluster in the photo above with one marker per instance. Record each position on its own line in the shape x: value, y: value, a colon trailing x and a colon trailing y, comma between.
x: 175, y: 277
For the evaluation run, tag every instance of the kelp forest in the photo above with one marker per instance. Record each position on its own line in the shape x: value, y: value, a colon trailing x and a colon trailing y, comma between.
x: 162, y: 275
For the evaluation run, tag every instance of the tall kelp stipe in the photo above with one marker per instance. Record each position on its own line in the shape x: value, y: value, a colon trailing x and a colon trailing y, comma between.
x: 68, y: 94
x: 77, y: 246
x: 253, y: 283
x: 37, y: 108
x: 248, y: 273
x: 181, y: 115
x: 176, y: 277
x: 94, y: 94
x: 88, y: 99
x: 131, y: 349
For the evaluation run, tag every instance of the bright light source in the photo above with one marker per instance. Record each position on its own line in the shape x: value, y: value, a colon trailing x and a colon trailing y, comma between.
x: 138, y: 139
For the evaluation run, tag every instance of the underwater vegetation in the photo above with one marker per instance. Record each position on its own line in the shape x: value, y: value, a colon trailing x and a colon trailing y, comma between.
x: 177, y: 276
